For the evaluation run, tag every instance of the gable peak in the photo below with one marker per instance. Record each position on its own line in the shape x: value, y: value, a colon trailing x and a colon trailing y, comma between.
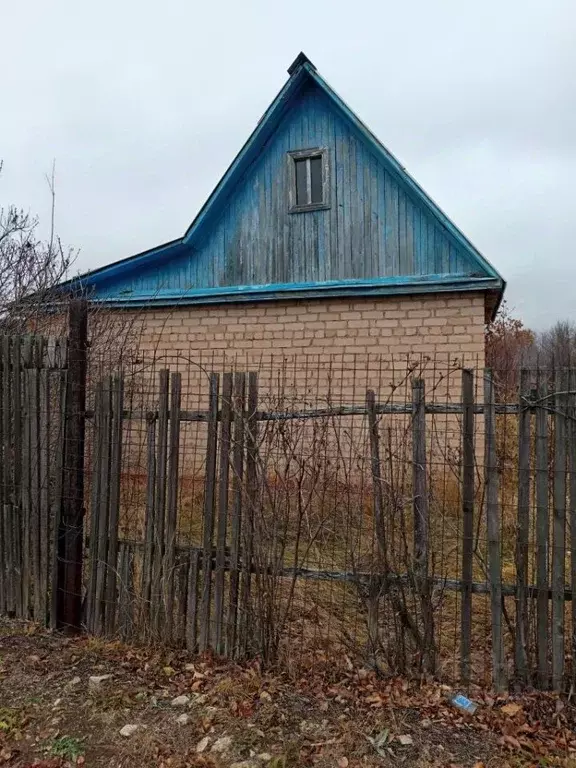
x: 299, y: 61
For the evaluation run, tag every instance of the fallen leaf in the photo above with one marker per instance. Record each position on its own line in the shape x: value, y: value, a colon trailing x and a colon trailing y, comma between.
x: 169, y: 671
x: 511, y: 709
x: 512, y: 742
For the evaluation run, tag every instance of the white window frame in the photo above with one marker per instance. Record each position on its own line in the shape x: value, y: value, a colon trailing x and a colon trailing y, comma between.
x: 308, y: 154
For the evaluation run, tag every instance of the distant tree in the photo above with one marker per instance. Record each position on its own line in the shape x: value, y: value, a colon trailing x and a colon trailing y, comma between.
x: 509, y: 345
x: 556, y: 347
x: 30, y: 267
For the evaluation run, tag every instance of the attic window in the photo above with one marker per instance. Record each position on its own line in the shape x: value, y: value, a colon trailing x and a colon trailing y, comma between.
x: 308, y: 180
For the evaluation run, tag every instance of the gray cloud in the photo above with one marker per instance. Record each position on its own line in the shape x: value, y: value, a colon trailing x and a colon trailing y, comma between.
x: 143, y: 105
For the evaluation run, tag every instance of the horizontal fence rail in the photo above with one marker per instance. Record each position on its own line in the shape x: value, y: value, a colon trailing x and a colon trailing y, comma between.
x: 349, y: 410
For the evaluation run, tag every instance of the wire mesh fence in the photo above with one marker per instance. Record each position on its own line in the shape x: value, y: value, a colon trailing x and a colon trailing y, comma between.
x: 409, y: 512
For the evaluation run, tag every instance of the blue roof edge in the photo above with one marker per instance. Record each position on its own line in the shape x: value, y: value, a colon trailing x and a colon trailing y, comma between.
x: 242, y: 293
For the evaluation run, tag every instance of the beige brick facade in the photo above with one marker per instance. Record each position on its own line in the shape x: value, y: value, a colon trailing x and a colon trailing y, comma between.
x: 447, y: 327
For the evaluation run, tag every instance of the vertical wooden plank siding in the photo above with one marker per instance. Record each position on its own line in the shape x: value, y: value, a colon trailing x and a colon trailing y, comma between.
x: 468, y: 456
x: 559, y: 533
x: 209, y: 498
x: 370, y: 228
x: 521, y: 638
x: 236, y: 521
x: 493, y: 532
x: 249, y: 512
x: 222, y: 525
x: 542, y: 525
x: 117, y: 403
x: 160, y: 503
x: 172, y: 503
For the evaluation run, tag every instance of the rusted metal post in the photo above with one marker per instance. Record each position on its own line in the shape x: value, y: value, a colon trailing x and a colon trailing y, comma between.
x: 71, y: 528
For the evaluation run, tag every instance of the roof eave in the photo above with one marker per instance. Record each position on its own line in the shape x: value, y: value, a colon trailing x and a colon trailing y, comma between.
x: 330, y: 289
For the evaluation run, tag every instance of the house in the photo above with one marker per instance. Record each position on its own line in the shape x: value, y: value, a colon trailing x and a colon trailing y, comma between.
x: 316, y: 243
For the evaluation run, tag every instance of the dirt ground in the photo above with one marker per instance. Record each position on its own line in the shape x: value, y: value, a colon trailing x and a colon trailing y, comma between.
x: 201, y: 711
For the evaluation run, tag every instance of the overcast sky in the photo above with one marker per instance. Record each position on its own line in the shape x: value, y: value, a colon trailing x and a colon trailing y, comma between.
x: 144, y: 104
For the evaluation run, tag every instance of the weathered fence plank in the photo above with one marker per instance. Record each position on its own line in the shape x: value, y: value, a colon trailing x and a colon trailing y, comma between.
x: 117, y: 404
x: 148, y: 556
x: 169, y: 564
x: 16, y: 408
x: 103, y: 507
x: 521, y: 637
x: 377, y: 480
x: 34, y: 407
x: 542, y: 525
x: 249, y: 512
x: 160, y: 502
x: 468, y: 458
x: 192, y: 602
x: 181, y: 591
x: 26, y: 488
x: 57, y: 498
x: 149, y: 523
x: 71, y: 529
x: 4, y: 544
x: 572, y: 509
x: 493, y: 533
x: 97, y: 447
x: 559, y: 532
x: 209, y: 499
x: 8, y: 498
x: 126, y: 596
x: 421, y: 522
x: 239, y: 399
x: 44, y: 462
x: 222, y: 525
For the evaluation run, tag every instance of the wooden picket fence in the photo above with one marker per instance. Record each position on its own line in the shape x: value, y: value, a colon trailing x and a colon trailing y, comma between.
x: 203, y: 591
x: 198, y: 596
x: 33, y: 374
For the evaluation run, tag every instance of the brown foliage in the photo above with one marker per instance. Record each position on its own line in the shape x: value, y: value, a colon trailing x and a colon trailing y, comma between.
x: 508, y: 344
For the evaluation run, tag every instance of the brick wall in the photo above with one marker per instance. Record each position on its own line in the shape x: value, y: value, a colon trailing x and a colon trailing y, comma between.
x: 446, y: 327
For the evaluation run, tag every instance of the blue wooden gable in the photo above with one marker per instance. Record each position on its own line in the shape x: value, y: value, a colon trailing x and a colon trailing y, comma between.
x: 378, y: 234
